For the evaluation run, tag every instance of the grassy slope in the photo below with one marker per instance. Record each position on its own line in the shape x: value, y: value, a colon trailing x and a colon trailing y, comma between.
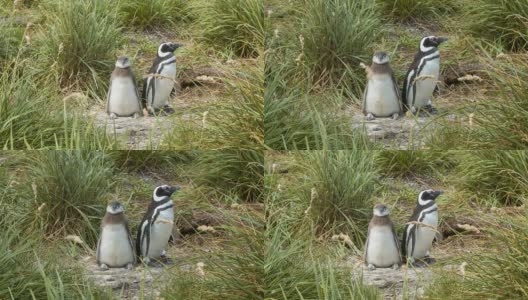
x: 402, y: 175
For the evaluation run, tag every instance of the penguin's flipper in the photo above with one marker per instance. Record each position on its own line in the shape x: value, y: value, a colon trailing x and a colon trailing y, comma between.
x: 397, y: 92
x: 366, y: 247
x: 144, y: 93
x: 130, y: 241
x: 365, y: 99
x: 97, y: 252
x: 404, y: 242
x: 108, y: 98
x: 136, y: 91
x: 396, y: 242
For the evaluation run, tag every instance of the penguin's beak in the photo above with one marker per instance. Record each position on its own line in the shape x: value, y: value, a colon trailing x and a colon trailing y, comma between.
x: 174, y: 189
x: 441, y: 39
x: 437, y: 193
x: 175, y: 46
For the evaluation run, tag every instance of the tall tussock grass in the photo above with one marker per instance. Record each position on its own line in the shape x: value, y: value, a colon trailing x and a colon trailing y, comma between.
x: 235, y: 25
x: 339, y: 188
x: 415, y: 163
x: 152, y: 14
x: 27, y: 122
x: 415, y: 10
x: 497, y: 272
x: 501, y: 21
x: 231, y: 172
x: 77, y: 43
x: 234, y: 123
x: 293, y: 119
x: 495, y: 177
x: 69, y: 190
x: 335, y: 36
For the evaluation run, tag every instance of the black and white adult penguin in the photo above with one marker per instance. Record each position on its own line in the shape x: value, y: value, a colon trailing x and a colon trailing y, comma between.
x: 422, y: 76
x: 122, y: 98
x: 381, y: 97
x: 115, y: 248
x: 158, y: 85
x: 155, y: 229
x: 382, y: 249
x: 421, y: 228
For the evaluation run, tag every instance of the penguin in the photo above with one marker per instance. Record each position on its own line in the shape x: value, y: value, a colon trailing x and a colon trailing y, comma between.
x: 158, y: 84
x: 382, y: 249
x: 114, y: 247
x: 422, y: 76
x: 420, y: 230
x: 381, y: 97
x: 155, y: 229
x: 122, y: 99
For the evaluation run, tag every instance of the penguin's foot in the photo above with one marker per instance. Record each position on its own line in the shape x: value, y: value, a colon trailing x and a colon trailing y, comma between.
x: 395, y: 266
x: 370, y: 117
x: 135, y: 115
x: 168, y: 110
x: 130, y: 266
x: 103, y: 267
x: 429, y: 260
x: 371, y: 267
x: 431, y: 109
x: 165, y: 259
x: 413, y: 110
x: 395, y: 116
x: 113, y: 116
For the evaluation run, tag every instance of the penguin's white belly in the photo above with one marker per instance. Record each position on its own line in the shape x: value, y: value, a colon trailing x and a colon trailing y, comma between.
x: 381, y: 99
x: 382, y: 251
x: 123, y: 97
x: 425, y: 235
x: 115, y: 249
x: 425, y: 87
x: 160, y: 233
x: 164, y: 85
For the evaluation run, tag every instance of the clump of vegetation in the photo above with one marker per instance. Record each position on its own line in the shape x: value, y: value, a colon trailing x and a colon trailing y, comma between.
x: 27, y: 124
x: 236, y: 123
x: 491, y: 273
x: 335, y: 36
x: 13, y: 38
x: 501, y: 21
x: 78, y: 43
x: 334, y: 195
x: 414, y: 10
x: 236, y: 25
x: 69, y: 188
x: 495, y: 177
x: 152, y: 14
x: 293, y: 119
x: 236, y: 173
x: 415, y: 163
x: 136, y: 160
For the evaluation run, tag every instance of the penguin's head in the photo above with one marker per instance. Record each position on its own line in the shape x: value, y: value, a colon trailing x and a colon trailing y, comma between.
x: 380, y: 58
x: 431, y: 42
x: 381, y: 210
x: 163, y: 191
x: 165, y: 49
x: 427, y: 196
x: 123, y: 62
x: 114, y: 208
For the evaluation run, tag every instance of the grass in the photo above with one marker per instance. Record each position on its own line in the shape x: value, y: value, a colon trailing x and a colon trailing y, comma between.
x: 152, y: 14
x: 295, y: 120
x: 498, y: 274
x: 494, y: 177
x: 26, y: 123
x: 235, y: 25
x: 415, y: 163
x: 335, y: 196
x: 415, y: 10
x: 500, y: 21
x: 334, y: 37
x: 69, y: 191
x: 236, y: 122
x: 78, y: 44
x: 237, y: 173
